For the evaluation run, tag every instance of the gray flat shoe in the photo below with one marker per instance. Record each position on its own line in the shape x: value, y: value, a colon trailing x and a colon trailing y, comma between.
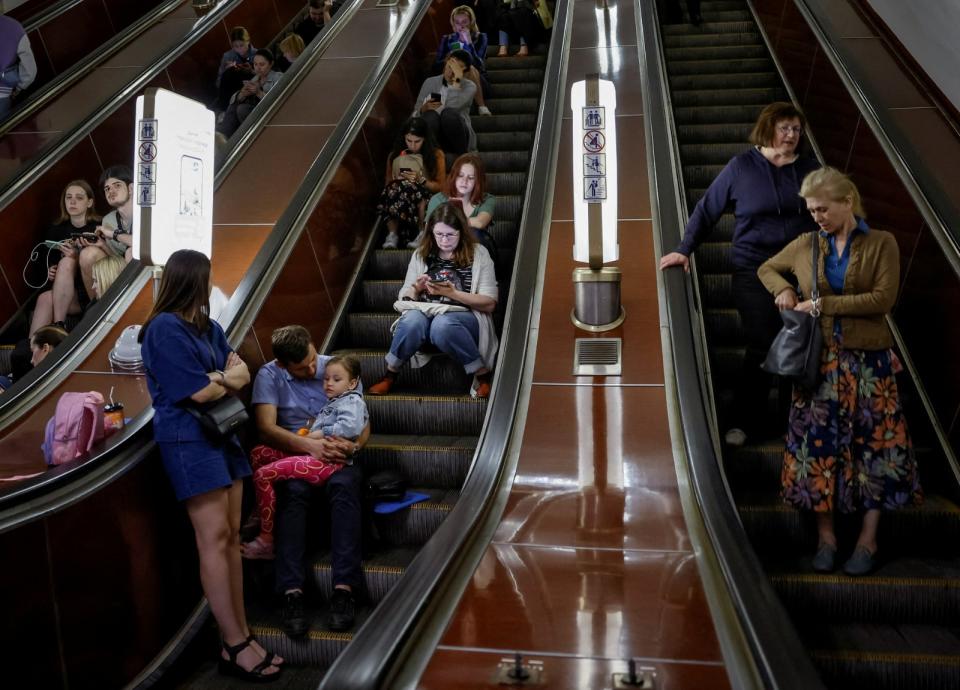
x: 825, y: 560
x: 860, y: 563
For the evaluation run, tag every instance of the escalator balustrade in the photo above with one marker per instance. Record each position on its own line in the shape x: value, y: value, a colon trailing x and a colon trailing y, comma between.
x: 427, y: 428
x: 895, y: 628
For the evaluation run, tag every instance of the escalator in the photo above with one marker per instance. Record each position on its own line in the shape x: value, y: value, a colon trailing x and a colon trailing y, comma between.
x: 896, y: 627
x: 428, y: 427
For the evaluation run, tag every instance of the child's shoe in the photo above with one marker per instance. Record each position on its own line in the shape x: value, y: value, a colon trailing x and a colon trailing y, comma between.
x: 258, y: 550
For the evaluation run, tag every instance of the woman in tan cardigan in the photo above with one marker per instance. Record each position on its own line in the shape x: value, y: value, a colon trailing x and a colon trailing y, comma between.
x: 847, y: 447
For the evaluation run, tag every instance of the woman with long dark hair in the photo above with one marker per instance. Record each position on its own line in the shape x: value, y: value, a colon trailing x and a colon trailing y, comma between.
x: 416, y: 169
x: 189, y: 363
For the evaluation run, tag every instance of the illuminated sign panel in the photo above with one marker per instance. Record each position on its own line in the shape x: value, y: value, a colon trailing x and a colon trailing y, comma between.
x: 173, y: 176
x: 594, y: 151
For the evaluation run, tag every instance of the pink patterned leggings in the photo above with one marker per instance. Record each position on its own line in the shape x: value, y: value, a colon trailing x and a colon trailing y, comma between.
x: 271, y: 465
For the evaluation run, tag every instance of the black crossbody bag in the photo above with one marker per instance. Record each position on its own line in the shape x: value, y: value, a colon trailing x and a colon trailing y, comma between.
x: 795, y: 352
x: 221, y: 418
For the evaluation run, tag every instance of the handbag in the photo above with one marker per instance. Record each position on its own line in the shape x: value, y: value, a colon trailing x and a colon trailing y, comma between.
x: 387, y: 485
x: 795, y: 352
x: 221, y: 418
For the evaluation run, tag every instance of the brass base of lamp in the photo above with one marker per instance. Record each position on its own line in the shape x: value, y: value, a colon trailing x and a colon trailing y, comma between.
x: 600, y: 328
x: 597, y: 305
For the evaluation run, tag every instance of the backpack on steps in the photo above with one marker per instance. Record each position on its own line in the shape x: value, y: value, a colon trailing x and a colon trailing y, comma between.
x: 75, y: 426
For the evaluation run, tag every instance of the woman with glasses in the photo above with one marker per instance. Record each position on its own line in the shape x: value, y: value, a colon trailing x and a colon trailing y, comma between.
x: 761, y: 186
x: 447, y: 300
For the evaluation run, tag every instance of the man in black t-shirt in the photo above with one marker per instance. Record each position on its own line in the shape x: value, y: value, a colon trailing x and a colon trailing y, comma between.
x: 318, y: 14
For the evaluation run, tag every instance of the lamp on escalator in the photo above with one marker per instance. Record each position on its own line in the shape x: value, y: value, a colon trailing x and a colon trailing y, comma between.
x: 597, y: 305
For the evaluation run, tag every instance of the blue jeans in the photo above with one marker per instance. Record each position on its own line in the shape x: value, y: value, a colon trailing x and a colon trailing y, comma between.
x: 456, y: 333
x: 344, y: 493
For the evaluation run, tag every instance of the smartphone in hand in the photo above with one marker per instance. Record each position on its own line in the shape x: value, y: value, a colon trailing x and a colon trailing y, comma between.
x: 435, y: 97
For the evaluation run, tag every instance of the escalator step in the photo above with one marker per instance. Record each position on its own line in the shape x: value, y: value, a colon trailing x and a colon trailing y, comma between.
x: 514, y: 76
x: 389, y: 264
x: 426, y: 414
x: 521, y: 90
x: 512, y: 62
x: 728, y: 80
x: 717, y: 114
x: 713, y: 52
x: 724, y: 67
x: 701, y: 175
x: 867, y: 657
x: 673, y: 41
x: 723, y: 326
x: 381, y: 572
x: 760, y: 96
x: 441, y: 376
x: 509, y: 208
x: 715, y: 257
x: 369, y: 330
x: 716, y: 289
x: 917, y: 531
x: 711, y: 154
x: 377, y: 295
x: 713, y: 133
x: 905, y: 591
x: 505, y: 141
x: 505, y: 161
x: 504, y: 123
x: 430, y: 461
x: 511, y: 105
x: 415, y: 525
x: 506, y: 183
x: 710, y: 27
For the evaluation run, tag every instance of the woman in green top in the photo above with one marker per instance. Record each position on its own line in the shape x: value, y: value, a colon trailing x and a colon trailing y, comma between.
x: 467, y: 183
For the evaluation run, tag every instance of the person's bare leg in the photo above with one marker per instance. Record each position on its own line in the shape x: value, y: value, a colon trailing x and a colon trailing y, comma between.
x: 825, y: 529
x: 64, y: 290
x: 42, y: 312
x: 868, y: 532
x: 88, y: 257
x: 209, y: 514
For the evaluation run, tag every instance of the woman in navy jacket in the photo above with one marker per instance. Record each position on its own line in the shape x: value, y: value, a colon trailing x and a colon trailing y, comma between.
x: 762, y: 186
x: 188, y: 363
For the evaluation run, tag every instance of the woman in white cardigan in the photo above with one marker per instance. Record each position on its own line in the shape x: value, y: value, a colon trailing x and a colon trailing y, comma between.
x: 447, y: 299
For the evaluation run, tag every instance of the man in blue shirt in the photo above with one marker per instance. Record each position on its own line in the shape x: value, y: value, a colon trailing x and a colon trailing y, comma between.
x: 287, y: 396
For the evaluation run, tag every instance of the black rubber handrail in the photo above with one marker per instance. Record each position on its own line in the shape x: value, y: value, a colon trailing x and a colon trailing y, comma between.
x: 385, y: 644
x: 86, y: 336
x: 50, y: 12
x: 96, y: 57
x: 778, y: 653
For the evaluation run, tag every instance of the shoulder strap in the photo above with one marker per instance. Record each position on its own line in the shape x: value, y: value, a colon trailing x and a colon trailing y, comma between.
x: 815, y: 251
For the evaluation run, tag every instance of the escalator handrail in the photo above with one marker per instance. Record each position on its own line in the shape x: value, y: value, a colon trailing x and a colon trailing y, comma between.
x: 777, y: 652
x: 82, y: 129
x: 87, y: 335
x: 386, y: 643
x: 97, y: 56
x: 50, y: 12
x: 936, y: 211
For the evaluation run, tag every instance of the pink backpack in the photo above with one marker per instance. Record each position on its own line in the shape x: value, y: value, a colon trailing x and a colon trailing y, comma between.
x: 75, y: 426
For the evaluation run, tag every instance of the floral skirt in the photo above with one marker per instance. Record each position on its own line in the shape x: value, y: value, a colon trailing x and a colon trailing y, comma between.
x: 848, y: 447
x: 400, y: 199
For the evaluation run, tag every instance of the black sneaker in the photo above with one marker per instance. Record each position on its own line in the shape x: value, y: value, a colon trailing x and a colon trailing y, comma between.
x: 295, y: 622
x: 342, y: 610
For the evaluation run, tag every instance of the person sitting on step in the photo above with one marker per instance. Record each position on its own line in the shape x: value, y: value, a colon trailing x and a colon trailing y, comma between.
x: 467, y: 36
x: 447, y: 300
x: 415, y: 169
x: 444, y: 103
x: 467, y: 184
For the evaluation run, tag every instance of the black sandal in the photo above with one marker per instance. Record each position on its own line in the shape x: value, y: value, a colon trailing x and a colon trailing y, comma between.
x: 230, y: 667
x: 274, y: 659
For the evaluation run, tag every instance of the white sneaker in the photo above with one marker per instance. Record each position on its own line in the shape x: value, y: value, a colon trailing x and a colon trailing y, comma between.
x: 413, y: 244
x: 392, y: 241
x: 735, y: 437
x: 484, y: 110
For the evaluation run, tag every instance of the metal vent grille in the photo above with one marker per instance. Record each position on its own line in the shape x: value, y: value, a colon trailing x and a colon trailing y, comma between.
x: 597, y: 357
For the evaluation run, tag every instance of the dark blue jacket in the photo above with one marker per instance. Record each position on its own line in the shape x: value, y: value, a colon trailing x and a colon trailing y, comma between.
x: 766, y: 203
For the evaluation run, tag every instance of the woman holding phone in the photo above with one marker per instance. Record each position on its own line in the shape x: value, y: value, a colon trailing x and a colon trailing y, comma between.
x: 447, y: 299
x: 416, y: 169
x: 73, y: 229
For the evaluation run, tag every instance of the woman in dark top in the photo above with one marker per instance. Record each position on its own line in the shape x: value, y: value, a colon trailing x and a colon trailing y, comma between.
x: 189, y: 363
x: 762, y: 185
x: 58, y: 267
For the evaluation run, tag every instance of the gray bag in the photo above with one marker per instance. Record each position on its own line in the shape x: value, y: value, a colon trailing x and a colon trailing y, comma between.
x: 795, y: 352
